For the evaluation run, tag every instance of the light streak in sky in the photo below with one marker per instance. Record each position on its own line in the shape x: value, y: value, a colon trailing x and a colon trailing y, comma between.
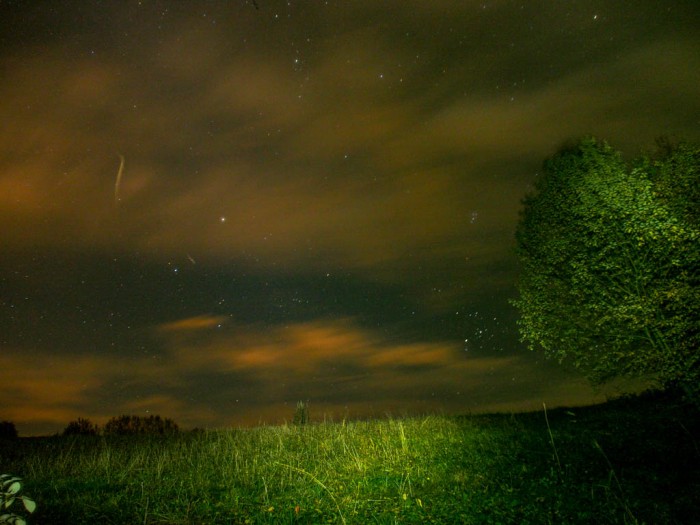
x: 119, y: 180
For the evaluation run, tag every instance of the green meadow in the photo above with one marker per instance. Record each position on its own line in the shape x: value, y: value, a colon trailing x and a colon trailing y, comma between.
x: 631, y: 460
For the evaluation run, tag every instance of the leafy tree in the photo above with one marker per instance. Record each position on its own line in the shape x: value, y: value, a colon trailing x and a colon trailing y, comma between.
x: 675, y: 170
x: 81, y: 427
x: 7, y: 430
x: 610, y: 263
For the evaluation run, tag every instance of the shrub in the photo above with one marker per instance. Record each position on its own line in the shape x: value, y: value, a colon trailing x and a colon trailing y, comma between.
x: 7, y: 430
x: 9, y: 493
x: 81, y: 427
x: 137, y: 425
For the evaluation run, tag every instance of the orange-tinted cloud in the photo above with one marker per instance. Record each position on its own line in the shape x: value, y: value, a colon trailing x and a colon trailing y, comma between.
x: 334, y: 165
x: 249, y: 374
x: 51, y: 390
x: 199, y: 322
x: 305, y: 348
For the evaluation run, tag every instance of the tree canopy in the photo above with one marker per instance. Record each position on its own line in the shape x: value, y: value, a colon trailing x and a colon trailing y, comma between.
x: 610, y: 262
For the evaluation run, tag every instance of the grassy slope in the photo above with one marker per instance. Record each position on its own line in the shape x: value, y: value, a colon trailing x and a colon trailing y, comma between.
x: 629, y: 461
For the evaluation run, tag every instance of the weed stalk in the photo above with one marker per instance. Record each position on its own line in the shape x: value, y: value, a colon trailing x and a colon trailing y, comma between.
x: 551, y: 439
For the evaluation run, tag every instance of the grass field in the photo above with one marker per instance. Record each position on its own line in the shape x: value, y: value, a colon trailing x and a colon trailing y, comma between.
x: 633, y: 460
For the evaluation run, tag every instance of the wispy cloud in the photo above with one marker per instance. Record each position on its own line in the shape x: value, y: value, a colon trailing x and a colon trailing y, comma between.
x: 189, y: 324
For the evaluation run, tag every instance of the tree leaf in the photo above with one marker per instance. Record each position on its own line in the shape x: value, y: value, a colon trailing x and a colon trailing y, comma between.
x: 29, y: 504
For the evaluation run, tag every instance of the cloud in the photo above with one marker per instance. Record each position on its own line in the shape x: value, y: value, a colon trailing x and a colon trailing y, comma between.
x: 334, y: 164
x: 199, y: 322
x: 247, y: 374
x: 300, y: 207
x: 306, y: 348
x: 51, y: 390
x: 593, y: 99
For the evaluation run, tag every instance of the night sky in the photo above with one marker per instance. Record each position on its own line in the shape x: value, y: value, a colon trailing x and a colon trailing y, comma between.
x: 212, y: 210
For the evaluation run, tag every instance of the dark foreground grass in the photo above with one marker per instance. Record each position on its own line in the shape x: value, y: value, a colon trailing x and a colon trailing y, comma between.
x: 628, y: 461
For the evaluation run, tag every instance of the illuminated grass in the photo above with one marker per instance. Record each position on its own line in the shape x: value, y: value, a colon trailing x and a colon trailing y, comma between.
x: 627, y: 462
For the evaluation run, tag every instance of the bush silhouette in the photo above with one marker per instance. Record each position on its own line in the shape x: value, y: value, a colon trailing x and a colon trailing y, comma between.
x: 81, y: 427
x: 7, y: 430
x: 137, y: 425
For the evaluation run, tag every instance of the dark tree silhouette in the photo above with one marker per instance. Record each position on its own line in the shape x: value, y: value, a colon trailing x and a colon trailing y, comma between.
x: 137, y: 425
x: 7, y: 430
x: 81, y: 427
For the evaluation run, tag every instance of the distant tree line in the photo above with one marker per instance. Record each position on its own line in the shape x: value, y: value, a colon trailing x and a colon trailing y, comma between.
x: 116, y: 426
x: 123, y: 426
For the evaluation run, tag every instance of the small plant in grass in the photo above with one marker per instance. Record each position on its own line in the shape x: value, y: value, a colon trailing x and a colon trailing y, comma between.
x: 9, y: 493
x: 301, y: 414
